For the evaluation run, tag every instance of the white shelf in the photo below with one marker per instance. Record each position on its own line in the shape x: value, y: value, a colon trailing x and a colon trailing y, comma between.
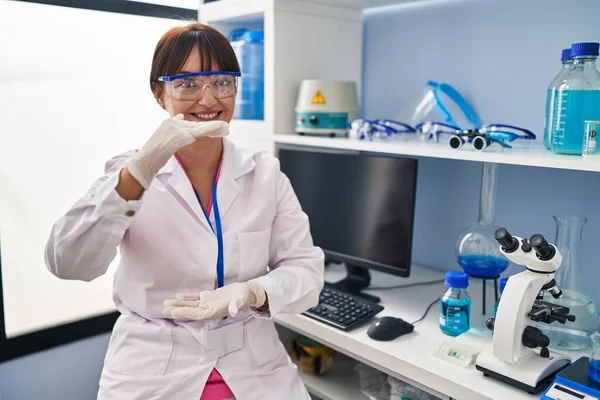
x: 230, y: 11
x: 410, y: 357
x: 224, y: 11
x: 341, y: 383
x: 535, y: 156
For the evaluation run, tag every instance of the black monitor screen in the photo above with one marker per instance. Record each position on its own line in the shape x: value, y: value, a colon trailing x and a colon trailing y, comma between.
x: 360, y: 207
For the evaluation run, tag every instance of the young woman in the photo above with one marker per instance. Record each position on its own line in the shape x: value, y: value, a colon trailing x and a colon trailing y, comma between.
x: 212, y: 239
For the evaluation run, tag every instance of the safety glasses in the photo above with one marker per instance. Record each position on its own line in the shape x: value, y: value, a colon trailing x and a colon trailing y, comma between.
x: 431, y: 130
x: 506, y: 132
x: 190, y: 86
x: 385, y: 129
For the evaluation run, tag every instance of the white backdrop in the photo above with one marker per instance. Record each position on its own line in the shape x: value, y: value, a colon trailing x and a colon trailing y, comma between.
x: 74, y: 92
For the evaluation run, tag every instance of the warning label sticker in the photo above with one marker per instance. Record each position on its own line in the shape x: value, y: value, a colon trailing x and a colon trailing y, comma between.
x: 318, y: 98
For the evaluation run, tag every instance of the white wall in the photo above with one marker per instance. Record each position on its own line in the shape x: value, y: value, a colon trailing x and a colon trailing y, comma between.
x: 74, y: 91
x: 501, y: 55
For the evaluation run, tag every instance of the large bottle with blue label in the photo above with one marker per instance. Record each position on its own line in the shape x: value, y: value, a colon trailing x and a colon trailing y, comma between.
x: 249, y: 49
x: 551, y: 96
x: 577, y: 100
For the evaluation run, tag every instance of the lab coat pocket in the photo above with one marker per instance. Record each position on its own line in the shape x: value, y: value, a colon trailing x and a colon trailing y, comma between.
x: 265, y: 347
x: 254, y: 253
x: 140, y: 347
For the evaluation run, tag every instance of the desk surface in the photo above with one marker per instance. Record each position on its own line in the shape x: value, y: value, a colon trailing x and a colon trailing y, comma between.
x: 409, y: 357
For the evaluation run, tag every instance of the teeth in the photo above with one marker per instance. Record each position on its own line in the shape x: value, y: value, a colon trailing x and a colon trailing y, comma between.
x: 207, y: 116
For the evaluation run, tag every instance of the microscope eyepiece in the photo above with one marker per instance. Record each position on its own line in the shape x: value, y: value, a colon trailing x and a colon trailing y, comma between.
x: 542, y: 248
x: 509, y: 244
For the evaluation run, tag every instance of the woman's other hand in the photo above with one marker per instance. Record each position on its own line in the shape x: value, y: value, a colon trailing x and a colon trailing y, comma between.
x: 215, y: 304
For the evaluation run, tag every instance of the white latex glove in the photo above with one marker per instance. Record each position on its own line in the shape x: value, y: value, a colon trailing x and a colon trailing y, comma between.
x: 171, y: 135
x: 215, y: 304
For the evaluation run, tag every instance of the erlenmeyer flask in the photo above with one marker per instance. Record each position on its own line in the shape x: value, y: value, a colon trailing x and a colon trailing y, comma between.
x: 570, y: 278
x: 476, y: 250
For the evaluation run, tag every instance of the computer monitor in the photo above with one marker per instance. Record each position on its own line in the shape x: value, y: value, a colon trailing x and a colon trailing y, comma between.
x: 360, y: 207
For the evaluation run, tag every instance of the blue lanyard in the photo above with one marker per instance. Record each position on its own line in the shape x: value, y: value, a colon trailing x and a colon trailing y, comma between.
x: 219, y: 231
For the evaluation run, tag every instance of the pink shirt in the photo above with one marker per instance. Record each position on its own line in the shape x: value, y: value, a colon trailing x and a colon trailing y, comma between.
x: 216, y: 388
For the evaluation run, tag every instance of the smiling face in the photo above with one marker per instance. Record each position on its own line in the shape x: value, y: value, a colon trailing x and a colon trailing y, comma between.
x: 194, y: 48
x: 208, y: 107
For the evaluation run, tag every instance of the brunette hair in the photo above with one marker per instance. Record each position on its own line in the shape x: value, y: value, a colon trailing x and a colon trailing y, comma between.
x: 176, y: 45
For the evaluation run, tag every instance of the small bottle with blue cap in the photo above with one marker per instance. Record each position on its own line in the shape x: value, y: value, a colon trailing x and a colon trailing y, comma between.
x: 455, y: 305
x: 501, y: 289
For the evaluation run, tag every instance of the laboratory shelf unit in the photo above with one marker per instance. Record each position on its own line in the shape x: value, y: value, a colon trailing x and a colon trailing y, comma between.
x: 341, y: 382
x: 247, y: 129
x: 533, y: 156
x: 299, y: 37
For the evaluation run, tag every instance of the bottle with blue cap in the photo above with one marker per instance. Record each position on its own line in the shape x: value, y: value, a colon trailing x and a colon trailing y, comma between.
x: 577, y: 100
x: 248, y: 46
x: 501, y: 289
x: 455, y: 305
x: 567, y: 61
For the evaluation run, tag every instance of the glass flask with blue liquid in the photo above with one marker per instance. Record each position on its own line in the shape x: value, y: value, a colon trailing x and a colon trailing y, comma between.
x: 551, y: 96
x: 576, y: 289
x: 455, y: 305
x: 476, y: 250
x: 577, y: 100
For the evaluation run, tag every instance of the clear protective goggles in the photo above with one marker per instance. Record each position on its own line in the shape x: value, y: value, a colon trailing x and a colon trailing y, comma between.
x: 190, y: 86
x: 380, y: 129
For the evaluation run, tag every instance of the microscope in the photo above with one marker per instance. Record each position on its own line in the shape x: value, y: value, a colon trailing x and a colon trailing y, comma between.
x: 519, y: 353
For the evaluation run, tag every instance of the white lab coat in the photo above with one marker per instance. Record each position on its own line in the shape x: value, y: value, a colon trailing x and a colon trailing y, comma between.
x: 167, y: 247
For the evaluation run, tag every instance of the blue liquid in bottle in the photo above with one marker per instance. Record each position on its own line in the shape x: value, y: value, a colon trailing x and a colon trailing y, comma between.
x: 551, y: 96
x: 577, y: 100
x: 455, y: 305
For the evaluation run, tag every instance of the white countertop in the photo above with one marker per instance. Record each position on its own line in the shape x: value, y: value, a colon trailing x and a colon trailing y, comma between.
x: 409, y: 357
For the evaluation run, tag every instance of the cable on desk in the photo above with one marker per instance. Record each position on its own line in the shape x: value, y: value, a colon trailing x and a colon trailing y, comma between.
x: 427, y: 311
x: 405, y: 285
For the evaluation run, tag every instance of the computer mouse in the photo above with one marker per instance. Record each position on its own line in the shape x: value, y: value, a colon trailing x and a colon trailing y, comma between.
x: 389, y: 328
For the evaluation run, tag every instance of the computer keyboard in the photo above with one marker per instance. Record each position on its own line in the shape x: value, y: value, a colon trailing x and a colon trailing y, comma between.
x: 342, y: 310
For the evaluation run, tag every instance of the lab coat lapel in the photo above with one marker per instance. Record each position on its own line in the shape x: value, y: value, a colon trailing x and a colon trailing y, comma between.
x: 236, y: 163
x: 180, y: 187
x: 227, y: 190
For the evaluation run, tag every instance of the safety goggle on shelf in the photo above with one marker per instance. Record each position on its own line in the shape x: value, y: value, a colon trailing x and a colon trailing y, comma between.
x: 480, y: 137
